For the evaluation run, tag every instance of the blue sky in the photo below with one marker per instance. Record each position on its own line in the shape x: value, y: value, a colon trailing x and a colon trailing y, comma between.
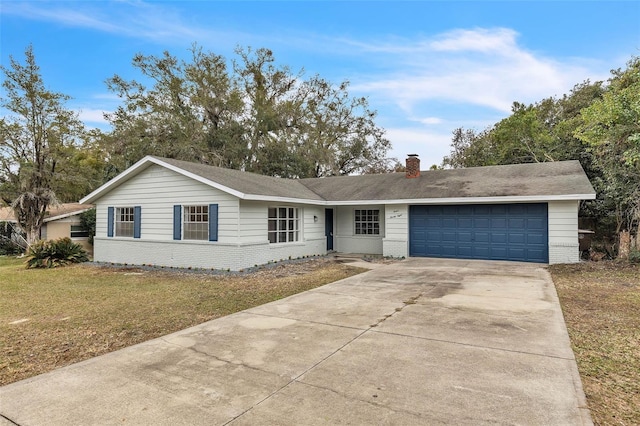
x: 427, y: 67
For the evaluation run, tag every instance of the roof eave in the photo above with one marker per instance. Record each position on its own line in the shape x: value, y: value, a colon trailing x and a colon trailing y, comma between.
x: 143, y: 164
x: 271, y: 198
x: 63, y: 216
x: 471, y: 200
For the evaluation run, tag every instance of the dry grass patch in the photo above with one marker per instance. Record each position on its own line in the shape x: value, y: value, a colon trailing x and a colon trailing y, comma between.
x: 601, y: 305
x: 52, y: 318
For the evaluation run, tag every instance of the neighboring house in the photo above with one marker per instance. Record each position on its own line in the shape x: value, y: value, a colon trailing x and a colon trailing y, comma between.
x: 60, y: 221
x: 174, y: 213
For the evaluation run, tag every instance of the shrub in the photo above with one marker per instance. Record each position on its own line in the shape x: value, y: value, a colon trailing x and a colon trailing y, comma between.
x: 51, y: 254
x: 634, y: 256
x: 88, y: 223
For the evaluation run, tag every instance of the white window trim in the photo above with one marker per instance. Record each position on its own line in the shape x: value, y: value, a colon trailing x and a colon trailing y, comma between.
x: 116, y: 221
x: 299, y: 222
x: 353, y: 222
x: 184, y: 221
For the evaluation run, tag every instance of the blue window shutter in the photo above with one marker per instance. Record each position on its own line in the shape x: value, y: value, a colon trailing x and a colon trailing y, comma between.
x: 136, y: 221
x: 110, y: 214
x: 177, y: 222
x: 213, y: 222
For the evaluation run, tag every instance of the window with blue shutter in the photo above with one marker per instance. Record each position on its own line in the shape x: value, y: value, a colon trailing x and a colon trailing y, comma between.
x: 213, y: 222
x: 110, y: 218
x: 137, y: 216
x: 177, y: 222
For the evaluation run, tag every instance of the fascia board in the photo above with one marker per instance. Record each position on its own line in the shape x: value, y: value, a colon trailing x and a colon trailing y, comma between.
x: 469, y: 200
x: 269, y: 198
x: 121, y: 178
x: 142, y: 165
x: 63, y: 216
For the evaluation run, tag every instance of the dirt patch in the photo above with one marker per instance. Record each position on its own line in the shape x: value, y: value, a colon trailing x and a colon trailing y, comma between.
x: 601, y: 306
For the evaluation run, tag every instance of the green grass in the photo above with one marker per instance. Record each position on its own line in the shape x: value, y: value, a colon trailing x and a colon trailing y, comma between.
x: 54, y: 317
x: 601, y: 306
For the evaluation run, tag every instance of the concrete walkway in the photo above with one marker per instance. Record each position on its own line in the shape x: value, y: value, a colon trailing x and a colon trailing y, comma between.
x: 422, y: 341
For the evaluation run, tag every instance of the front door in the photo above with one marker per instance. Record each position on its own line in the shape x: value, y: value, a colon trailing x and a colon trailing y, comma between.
x: 328, y: 228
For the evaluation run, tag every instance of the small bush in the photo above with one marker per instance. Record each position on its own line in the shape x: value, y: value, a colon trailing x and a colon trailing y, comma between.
x: 634, y: 256
x: 51, y: 254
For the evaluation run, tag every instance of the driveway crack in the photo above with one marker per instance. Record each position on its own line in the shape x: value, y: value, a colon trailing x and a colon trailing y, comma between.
x: 295, y: 379
x: 226, y: 361
x: 410, y: 301
x: 9, y: 420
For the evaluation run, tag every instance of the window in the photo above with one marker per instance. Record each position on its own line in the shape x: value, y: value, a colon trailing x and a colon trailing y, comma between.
x: 77, y: 231
x: 124, y: 222
x: 367, y: 222
x: 196, y: 223
x: 284, y: 224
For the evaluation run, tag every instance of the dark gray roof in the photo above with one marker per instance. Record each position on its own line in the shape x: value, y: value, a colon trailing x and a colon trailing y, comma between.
x: 517, y: 180
x: 536, y: 179
x: 247, y: 183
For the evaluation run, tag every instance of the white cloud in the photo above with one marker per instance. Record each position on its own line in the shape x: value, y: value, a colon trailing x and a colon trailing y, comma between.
x: 484, y: 40
x: 138, y: 19
x: 429, y: 120
x: 483, y: 67
x: 95, y: 116
x: 430, y: 146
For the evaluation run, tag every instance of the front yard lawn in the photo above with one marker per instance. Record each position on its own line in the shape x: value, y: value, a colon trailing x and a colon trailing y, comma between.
x: 55, y: 317
x: 601, y: 305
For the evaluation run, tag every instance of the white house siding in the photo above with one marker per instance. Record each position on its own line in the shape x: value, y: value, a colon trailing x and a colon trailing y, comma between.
x: 253, y: 226
x: 395, y: 243
x: 346, y: 241
x: 157, y: 190
x: 242, y: 226
x: 563, y: 232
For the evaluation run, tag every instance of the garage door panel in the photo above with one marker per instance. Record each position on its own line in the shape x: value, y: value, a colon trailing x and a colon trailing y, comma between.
x: 517, y: 223
x: 517, y: 238
x: 482, y: 223
x: 498, y: 223
x: 482, y: 237
x: 482, y: 210
x: 449, y: 222
x: 500, y: 232
x: 465, y: 222
x: 465, y: 236
x: 449, y: 236
x: 499, y: 238
x: 498, y: 209
x: 465, y: 251
x: 434, y: 236
x: 537, y: 239
x: 433, y: 223
x: 536, y: 223
x: 481, y: 252
x: 449, y: 250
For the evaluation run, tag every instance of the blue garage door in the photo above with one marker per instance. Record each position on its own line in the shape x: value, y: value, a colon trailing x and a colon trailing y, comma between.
x: 492, y: 231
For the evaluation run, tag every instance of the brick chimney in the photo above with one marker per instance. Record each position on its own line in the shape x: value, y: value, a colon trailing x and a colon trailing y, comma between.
x: 413, y: 166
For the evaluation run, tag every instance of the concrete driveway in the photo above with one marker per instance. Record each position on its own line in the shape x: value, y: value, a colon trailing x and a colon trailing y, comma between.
x: 422, y: 341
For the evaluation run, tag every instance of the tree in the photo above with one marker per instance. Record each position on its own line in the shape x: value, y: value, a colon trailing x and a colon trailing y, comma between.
x: 257, y: 116
x: 470, y: 149
x: 34, y: 143
x: 610, y: 127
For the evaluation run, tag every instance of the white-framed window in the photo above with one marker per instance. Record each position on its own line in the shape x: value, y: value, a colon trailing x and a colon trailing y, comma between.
x: 196, y: 223
x: 284, y: 224
x: 367, y: 222
x: 78, y: 231
x: 124, y: 222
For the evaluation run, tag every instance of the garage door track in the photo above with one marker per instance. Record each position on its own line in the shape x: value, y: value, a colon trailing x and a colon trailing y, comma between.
x: 422, y: 341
